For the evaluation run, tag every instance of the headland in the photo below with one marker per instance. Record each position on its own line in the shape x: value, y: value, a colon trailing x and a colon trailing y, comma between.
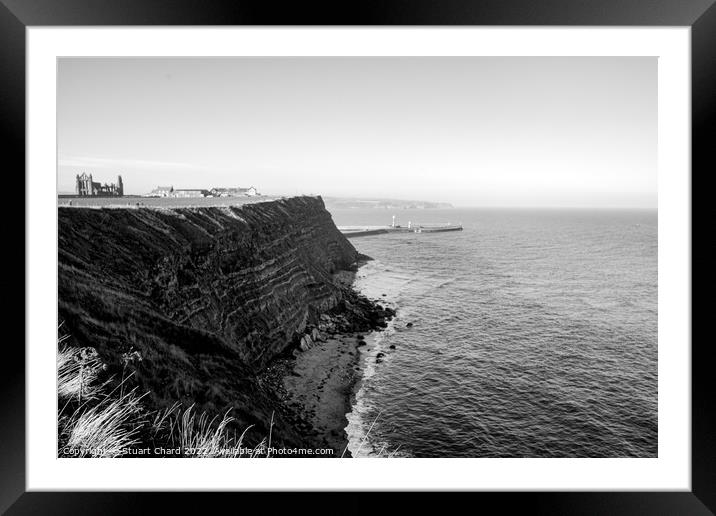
x: 245, y: 307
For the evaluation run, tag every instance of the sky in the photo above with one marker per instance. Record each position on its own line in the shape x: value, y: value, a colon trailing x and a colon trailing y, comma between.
x: 472, y: 131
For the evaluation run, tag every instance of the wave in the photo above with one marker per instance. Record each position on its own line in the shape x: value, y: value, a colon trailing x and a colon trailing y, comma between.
x: 375, y: 278
x: 531, y: 338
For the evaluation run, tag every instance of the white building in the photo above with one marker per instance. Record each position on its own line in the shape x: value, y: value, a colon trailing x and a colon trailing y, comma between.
x: 234, y: 192
x: 161, y: 191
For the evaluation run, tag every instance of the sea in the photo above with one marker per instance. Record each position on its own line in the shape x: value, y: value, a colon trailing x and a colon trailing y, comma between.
x: 531, y: 333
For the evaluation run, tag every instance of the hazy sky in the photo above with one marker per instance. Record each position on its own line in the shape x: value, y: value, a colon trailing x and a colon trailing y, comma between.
x: 472, y: 131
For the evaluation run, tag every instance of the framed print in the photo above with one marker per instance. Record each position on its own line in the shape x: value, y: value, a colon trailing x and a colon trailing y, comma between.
x: 429, y: 249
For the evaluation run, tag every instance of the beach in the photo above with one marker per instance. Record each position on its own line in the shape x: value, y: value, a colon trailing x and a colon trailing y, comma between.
x: 321, y: 384
x: 318, y: 380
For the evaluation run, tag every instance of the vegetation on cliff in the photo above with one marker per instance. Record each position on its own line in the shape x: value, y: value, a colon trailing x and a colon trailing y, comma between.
x: 96, y: 421
x: 188, y: 305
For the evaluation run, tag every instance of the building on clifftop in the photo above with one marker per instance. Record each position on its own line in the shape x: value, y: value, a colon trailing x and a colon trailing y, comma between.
x: 161, y: 191
x: 234, y: 192
x: 85, y: 186
x: 190, y: 192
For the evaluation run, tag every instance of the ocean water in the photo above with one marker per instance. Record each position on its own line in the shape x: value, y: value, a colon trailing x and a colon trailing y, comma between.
x: 534, y: 335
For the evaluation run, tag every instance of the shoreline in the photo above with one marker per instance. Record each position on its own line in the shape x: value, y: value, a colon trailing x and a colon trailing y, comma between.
x: 318, y: 382
x: 322, y: 382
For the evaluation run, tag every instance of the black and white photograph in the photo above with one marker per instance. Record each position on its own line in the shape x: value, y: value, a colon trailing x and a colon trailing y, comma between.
x: 357, y: 257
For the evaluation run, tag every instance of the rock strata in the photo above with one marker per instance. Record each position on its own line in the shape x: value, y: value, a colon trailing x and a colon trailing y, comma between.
x: 208, y: 296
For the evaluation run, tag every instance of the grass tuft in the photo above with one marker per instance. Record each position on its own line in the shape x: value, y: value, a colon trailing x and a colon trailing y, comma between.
x: 77, y: 372
x: 108, y: 429
x: 110, y: 424
x: 197, y: 435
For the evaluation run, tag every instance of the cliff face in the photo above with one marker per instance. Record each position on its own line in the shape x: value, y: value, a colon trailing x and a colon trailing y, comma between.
x: 206, y: 295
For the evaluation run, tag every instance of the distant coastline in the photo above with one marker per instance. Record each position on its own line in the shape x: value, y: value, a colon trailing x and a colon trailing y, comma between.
x: 387, y: 204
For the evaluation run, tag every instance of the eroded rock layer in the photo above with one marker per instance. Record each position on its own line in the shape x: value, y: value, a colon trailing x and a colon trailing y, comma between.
x: 206, y: 295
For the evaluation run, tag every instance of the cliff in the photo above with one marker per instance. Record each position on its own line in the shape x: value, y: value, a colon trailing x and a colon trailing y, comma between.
x: 207, y: 296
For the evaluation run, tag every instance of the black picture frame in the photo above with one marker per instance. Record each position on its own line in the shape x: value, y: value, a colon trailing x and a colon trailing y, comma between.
x: 700, y: 15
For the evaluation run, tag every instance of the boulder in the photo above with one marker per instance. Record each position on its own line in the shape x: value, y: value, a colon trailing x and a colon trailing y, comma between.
x: 306, y: 343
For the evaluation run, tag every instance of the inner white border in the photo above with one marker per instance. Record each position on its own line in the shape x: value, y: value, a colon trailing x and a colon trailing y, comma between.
x: 671, y: 471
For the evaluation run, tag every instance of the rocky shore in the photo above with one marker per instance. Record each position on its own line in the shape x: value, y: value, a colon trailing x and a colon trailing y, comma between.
x: 213, y: 299
x: 317, y: 380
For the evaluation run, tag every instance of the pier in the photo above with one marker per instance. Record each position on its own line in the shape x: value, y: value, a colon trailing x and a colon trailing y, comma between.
x: 356, y: 231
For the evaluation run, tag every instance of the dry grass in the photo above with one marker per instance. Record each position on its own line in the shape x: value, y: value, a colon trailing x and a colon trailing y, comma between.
x: 77, y: 372
x: 110, y: 424
x: 203, y: 437
x: 108, y: 429
x: 100, y: 423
